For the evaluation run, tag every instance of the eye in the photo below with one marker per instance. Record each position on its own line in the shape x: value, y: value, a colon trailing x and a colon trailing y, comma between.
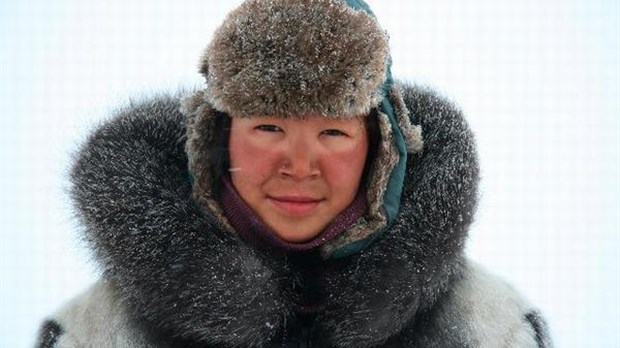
x: 268, y: 128
x: 334, y: 133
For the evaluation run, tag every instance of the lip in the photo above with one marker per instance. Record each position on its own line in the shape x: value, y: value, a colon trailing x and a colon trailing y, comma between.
x: 295, y: 205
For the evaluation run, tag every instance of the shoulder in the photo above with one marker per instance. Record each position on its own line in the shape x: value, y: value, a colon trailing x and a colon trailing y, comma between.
x: 493, y: 312
x: 478, y: 310
x: 94, y: 318
x: 494, y: 302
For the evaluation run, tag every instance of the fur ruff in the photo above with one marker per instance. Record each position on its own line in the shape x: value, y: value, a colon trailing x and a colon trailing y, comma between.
x: 178, y: 269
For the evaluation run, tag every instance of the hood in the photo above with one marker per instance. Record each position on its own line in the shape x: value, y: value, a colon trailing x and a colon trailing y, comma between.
x: 177, y: 267
x: 289, y: 58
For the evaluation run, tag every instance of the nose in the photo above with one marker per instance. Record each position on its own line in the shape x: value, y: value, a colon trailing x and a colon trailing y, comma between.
x: 300, y: 159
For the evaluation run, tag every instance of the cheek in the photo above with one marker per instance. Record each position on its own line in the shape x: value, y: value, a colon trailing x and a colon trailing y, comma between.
x: 249, y: 163
x: 345, y: 169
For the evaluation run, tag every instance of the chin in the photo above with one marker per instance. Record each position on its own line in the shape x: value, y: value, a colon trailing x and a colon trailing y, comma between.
x: 298, y: 237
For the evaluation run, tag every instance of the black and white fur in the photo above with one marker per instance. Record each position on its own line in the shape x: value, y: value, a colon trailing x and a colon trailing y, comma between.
x: 174, y: 277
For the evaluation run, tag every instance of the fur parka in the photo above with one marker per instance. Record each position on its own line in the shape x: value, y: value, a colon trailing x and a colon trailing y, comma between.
x: 174, y: 276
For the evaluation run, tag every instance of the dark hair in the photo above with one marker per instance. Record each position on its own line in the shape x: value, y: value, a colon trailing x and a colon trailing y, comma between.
x: 220, y: 158
x: 374, y: 139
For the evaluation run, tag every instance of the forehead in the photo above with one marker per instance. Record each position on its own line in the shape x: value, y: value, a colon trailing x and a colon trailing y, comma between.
x: 305, y: 120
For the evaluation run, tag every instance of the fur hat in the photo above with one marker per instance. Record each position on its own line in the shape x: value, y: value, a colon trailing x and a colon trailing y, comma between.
x: 292, y: 57
x: 299, y: 57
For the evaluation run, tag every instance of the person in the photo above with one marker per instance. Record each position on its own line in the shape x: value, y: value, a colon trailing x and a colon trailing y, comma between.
x: 303, y: 198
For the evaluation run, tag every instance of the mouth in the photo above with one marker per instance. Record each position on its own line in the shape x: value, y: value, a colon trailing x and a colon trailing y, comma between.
x: 295, y: 205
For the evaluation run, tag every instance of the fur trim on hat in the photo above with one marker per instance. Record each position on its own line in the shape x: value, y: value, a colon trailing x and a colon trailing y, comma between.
x: 291, y: 57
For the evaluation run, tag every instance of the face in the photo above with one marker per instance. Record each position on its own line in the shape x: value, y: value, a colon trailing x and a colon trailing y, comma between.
x: 297, y: 174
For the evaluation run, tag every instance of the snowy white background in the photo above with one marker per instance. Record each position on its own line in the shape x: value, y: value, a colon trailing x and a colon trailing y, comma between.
x: 538, y: 81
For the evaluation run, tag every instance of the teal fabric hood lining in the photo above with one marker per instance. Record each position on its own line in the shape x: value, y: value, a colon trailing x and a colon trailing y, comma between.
x: 391, y: 201
x: 393, y: 192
